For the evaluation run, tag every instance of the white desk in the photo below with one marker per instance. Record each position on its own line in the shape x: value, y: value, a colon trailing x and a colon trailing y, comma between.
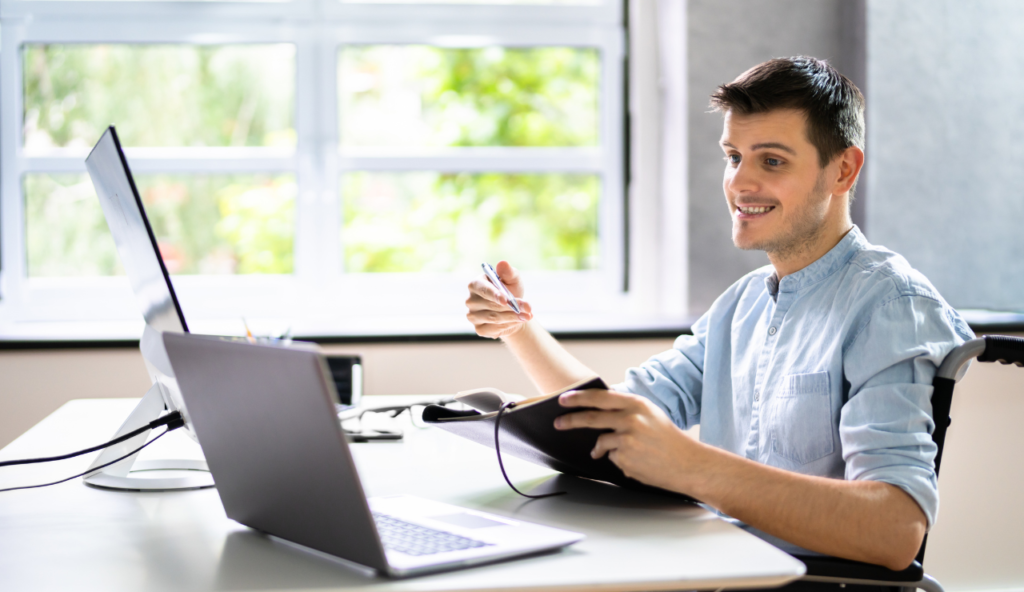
x: 75, y: 537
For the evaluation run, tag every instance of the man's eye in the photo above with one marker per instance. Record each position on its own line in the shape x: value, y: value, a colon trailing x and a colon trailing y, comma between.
x: 772, y: 162
x: 732, y: 158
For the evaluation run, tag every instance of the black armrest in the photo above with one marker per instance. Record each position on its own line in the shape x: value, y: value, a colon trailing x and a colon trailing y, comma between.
x: 827, y: 566
x: 833, y: 567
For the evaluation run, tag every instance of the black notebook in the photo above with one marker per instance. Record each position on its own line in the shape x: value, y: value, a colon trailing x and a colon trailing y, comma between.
x: 527, y: 431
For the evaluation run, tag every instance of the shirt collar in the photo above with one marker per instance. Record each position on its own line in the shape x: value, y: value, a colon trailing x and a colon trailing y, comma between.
x: 828, y: 264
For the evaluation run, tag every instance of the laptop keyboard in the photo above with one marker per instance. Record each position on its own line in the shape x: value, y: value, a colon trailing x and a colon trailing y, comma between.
x: 413, y: 539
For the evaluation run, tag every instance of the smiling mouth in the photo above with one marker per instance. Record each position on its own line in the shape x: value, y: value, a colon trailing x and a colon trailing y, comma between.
x: 752, y: 210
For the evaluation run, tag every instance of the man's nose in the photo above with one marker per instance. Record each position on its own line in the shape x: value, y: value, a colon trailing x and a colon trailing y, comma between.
x: 742, y: 179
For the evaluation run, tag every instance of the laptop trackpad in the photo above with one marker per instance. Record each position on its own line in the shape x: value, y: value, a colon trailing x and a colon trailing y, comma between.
x: 467, y: 520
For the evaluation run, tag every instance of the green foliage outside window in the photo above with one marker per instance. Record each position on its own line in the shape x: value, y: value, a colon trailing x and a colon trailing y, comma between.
x: 528, y: 97
x: 159, y: 95
x: 66, y: 234
x: 418, y: 96
x: 204, y: 224
x: 427, y: 97
x: 443, y: 222
x: 222, y: 224
x: 390, y: 97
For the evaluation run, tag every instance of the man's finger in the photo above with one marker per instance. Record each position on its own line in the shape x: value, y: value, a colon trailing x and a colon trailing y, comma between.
x: 506, y: 273
x: 493, y: 317
x: 600, y: 420
x: 598, y: 398
x: 476, y: 303
x: 605, y: 444
x: 483, y: 288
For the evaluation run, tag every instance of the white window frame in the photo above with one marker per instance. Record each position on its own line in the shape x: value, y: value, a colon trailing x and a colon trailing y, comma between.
x: 318, y: 298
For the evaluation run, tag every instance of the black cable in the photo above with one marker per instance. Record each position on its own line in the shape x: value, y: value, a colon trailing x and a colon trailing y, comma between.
x: 497, y: 448
x: 116, y: 460
x: 173, y: 420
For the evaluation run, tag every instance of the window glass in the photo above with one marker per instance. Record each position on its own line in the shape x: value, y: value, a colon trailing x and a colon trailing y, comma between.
x: 65, y: 232
x: 180, y: 1
x: 204, y: 224
x: 434, y: 222
x: 419, y: 96
x: 490, y: 2
x: 159, y: 95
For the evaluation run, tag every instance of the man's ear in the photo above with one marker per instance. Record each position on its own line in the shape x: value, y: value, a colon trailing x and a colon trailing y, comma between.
x: 851, y: 161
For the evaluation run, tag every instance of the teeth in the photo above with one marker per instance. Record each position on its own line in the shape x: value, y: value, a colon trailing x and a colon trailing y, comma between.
x: 757, y: 210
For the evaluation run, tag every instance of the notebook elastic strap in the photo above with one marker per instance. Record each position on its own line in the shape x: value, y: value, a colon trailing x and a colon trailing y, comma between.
x: 497, y: 448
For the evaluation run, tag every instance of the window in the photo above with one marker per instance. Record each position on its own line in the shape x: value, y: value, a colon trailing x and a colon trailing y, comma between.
x: 313, y: 165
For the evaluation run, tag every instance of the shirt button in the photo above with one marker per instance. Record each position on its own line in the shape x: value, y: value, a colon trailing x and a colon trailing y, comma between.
x: 756, y: 395
x: 772, y: 330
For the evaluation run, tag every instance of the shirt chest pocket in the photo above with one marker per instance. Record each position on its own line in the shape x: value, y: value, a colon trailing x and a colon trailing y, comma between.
x: 801, y: 418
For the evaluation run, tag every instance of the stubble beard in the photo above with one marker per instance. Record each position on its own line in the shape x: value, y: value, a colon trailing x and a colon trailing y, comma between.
x: 803, y: 233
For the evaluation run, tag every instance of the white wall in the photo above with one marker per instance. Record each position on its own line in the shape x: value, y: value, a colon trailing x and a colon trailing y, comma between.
x: 978, y: 541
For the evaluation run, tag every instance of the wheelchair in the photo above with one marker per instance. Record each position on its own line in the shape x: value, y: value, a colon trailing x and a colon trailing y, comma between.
x: 832, y: 573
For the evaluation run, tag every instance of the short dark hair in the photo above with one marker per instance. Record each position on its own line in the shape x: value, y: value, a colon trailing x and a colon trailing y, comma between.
x: 834, y: 106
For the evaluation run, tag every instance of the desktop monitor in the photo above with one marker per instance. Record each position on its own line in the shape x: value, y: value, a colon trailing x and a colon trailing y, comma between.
x: 140, y: 256
x: 133, y: 235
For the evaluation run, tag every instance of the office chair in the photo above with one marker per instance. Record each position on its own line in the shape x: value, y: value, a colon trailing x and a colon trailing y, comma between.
x: 832, y: 570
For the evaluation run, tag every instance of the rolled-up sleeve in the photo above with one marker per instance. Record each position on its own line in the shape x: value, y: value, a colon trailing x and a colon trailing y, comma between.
x: 673, y: 379
x: 886, y: 425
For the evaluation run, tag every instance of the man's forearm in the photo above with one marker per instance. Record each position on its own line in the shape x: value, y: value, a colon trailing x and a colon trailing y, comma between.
x: 548, y: 364
x: 862, y: 520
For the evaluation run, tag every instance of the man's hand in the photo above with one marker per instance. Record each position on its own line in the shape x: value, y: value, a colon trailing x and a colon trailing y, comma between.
x: 488, y: 308
x: 548, y: 363
x: 867, y: 521
x: 645, y: 443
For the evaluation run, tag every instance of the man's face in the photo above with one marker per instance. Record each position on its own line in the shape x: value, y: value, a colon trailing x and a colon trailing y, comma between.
x: 777, y: 193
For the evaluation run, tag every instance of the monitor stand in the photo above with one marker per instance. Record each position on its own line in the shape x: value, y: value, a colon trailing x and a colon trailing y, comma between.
x: 122, y: 475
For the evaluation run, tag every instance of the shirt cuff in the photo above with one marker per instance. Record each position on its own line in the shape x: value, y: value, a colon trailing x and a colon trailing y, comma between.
x: 919, y: 483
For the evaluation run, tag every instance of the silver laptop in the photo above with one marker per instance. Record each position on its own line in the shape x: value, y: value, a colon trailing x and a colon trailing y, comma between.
x: 264, y: 416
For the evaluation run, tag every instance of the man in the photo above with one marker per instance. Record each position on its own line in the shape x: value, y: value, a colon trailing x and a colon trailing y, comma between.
x: 810, y: 377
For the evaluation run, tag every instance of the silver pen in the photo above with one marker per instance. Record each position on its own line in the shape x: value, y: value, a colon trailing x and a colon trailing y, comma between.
x: 493, y: 276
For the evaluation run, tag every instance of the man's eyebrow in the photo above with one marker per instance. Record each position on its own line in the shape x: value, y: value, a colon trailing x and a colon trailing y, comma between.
x: 763, y: 146
x: 775, y: 145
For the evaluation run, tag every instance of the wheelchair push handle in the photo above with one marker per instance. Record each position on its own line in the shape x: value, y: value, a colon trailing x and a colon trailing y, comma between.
x: 1003, y: 349
x: 990, y: 348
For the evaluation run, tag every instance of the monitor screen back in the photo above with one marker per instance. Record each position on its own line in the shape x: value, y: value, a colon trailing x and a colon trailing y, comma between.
x: 133, y: 235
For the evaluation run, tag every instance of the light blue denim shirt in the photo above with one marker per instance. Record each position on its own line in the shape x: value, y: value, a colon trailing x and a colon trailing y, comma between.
x: 827, y: 372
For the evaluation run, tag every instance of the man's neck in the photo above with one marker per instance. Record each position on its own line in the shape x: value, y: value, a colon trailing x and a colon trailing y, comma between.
x: 830, y: 236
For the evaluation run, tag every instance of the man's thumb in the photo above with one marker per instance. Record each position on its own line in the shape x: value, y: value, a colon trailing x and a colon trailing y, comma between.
x: 506, y: 273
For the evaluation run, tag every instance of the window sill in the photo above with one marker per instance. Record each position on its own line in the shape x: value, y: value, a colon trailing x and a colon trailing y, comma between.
x: 437, y: 329
x: 425, y: 329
